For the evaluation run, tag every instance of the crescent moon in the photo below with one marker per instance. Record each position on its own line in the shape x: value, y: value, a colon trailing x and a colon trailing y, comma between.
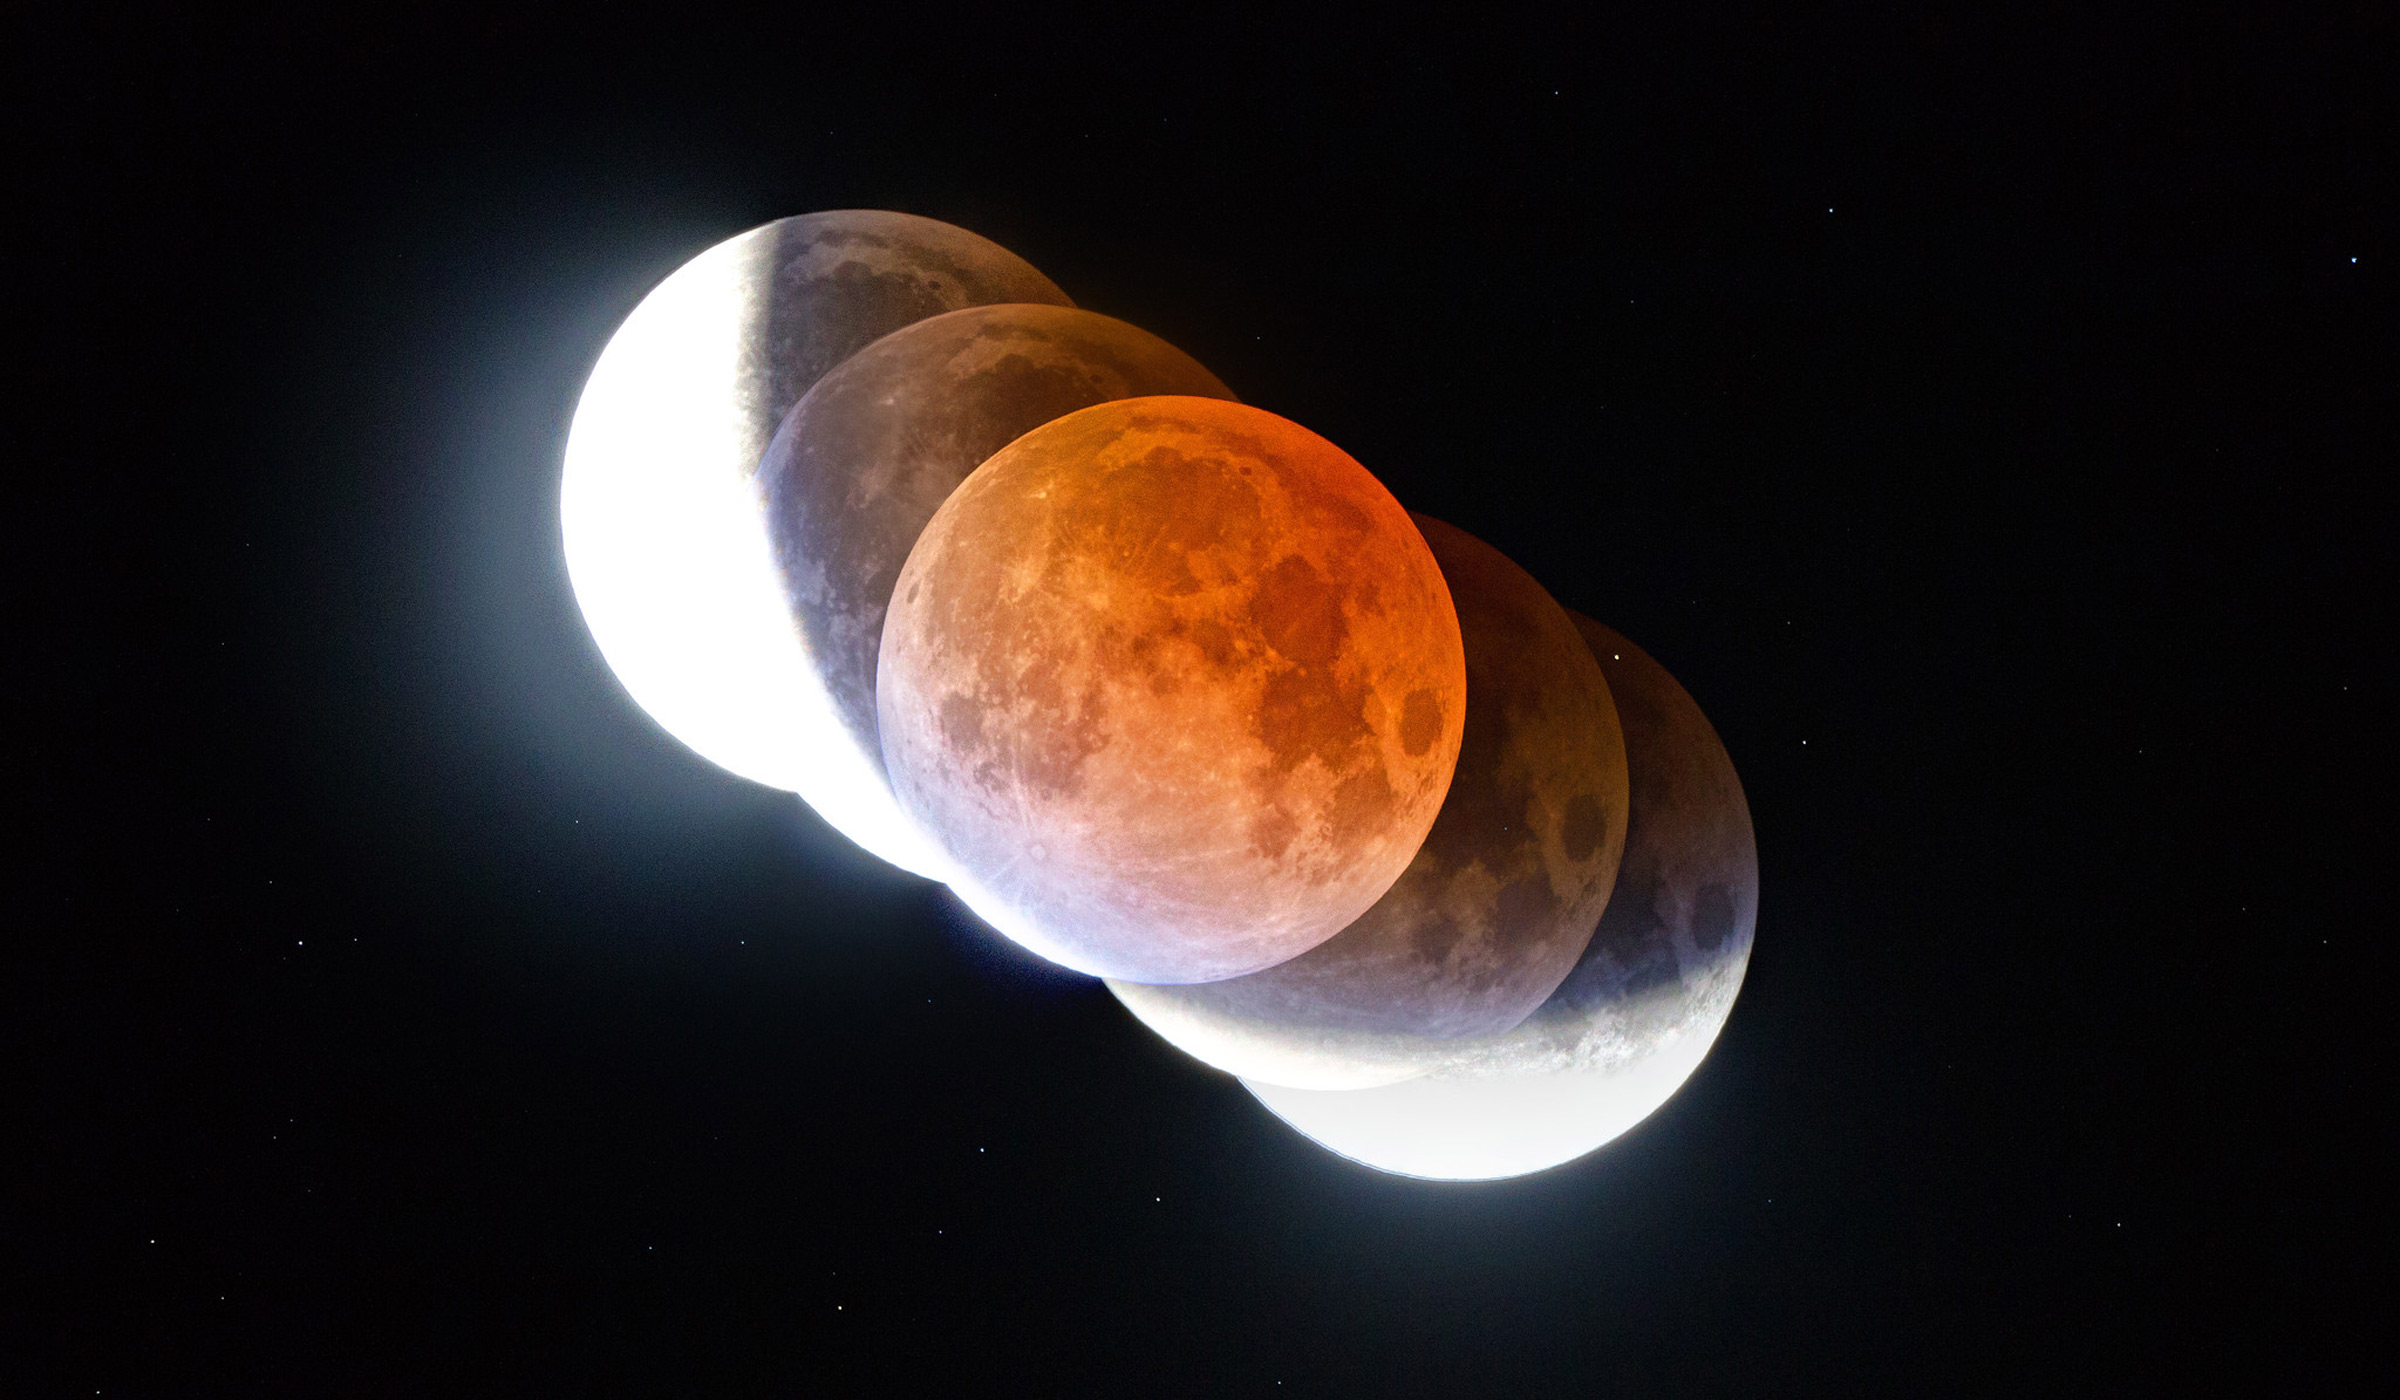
x: 663, y: 531
x: 1640, y: 1010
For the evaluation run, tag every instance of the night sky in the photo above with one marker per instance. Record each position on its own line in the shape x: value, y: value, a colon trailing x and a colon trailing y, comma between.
x: 1981, y: 414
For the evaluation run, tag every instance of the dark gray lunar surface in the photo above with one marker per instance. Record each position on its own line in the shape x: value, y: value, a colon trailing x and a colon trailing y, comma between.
x: 1501, y: 899
x: 823, y: 286
x: 1673, y: 943
x: 867, y: 455
x: 1641, y: 1008
x: 1674, y: 940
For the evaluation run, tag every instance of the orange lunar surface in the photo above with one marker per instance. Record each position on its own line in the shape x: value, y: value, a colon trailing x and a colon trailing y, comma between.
x: 1178, y: 686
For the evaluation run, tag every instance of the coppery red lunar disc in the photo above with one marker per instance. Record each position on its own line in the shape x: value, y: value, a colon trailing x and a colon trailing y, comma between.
x: 1176, y: 684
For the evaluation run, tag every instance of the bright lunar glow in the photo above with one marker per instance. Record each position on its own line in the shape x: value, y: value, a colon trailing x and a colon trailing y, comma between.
x: 667, y: 549
x: 1484, y: 1129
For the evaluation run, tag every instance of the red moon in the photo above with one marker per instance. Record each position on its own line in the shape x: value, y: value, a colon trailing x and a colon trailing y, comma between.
x: 1176, y: 684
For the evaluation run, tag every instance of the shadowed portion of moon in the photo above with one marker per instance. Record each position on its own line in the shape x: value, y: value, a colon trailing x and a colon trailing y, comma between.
x: 868, y: 454
x: 1640, y: 1009
x: 1499, y: 902
x: 1176, y: 684
x: 1687, y: 902
x: 829, y: 284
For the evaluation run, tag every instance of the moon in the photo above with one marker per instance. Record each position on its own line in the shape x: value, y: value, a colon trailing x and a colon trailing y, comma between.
x: 866, y: 456
x: 663, y: 530
x: 1498, y: 904
x: 1176, y: 685
x: 1641, y: 1008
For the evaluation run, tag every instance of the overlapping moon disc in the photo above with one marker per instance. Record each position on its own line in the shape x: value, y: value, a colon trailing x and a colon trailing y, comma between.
x: 664, y: 539
x: 1641, y: 1008
x: 1499, y: 902
x: 1170, y: 690
x: 866, y: 456
x: 1176, y: 684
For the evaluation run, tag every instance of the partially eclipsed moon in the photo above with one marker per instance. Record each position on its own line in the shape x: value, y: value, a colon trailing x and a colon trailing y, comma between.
x: 1500, y: 900
x: 868, y: 454
x: 1641, y: 1008
x: 664, y: 538
x: 1176, y: 684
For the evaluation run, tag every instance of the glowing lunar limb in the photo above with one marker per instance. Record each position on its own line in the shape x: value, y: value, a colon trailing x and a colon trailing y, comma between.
x: 1485, y: 1129
x: 664, y: 531
x: 1642, y: 1006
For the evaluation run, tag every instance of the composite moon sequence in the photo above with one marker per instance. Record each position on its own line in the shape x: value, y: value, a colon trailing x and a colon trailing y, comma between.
x: 1167, y: 688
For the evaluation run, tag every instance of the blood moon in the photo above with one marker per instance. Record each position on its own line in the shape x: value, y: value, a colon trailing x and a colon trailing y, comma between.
x: 1176, y: 684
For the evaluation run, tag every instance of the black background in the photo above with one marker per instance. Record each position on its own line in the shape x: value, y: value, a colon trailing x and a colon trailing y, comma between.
x: 1985, y: 415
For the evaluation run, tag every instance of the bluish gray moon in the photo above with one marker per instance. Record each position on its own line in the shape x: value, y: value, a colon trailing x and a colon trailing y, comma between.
x: 1641, y: 1008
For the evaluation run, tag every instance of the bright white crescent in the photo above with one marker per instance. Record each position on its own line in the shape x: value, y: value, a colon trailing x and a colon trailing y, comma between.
x: 1485, y: 1129
x: 665, y: 538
